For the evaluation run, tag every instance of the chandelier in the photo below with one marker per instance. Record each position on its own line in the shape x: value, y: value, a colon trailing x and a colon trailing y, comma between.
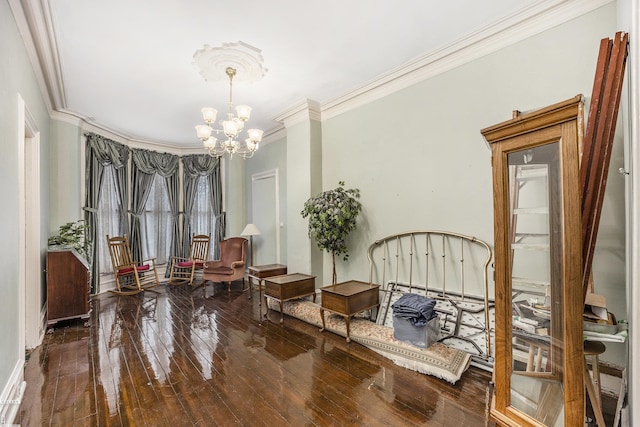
x: 231, y: 128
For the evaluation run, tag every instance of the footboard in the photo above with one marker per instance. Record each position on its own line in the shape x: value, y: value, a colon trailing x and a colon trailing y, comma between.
x: 450, y: 267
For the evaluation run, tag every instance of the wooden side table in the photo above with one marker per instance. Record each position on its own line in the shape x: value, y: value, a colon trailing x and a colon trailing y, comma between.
x: 260, y: 272
x: 288, y: 286
x: 348, y: 299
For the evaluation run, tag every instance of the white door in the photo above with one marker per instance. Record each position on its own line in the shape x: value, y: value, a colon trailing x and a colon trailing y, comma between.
x: 266, y: 216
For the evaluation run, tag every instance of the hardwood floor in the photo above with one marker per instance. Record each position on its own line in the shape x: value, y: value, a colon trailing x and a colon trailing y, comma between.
x: 175, y: 358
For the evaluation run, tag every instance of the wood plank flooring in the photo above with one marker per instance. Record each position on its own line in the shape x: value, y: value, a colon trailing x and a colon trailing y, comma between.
x: 179, y: 358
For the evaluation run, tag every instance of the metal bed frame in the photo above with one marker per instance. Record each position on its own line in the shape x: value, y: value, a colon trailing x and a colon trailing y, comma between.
x: 438, y: 264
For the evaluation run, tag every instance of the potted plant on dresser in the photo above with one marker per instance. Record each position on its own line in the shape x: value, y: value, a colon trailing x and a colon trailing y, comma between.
x: 70, y: 235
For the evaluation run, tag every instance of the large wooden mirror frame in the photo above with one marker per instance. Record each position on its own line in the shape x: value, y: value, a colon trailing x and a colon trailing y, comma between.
x: 539, y: 359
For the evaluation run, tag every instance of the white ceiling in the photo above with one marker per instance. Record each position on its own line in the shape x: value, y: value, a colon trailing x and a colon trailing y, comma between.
x: 127, y: 65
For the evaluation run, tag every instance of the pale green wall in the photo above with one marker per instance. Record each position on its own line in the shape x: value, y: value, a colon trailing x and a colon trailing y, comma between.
x: 417, y: 155
x: 323, y: 275
x: 304, y: 178
x: 65, y: 180
x: 234, y: 185
x: 16, y: 79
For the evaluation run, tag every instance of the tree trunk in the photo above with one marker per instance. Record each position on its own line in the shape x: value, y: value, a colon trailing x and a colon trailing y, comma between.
x: 335, y: 275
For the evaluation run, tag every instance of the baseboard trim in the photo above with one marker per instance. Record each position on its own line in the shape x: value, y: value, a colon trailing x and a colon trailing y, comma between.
x: 12, y: 394
x: 43, y: 324
x: 106, y: 284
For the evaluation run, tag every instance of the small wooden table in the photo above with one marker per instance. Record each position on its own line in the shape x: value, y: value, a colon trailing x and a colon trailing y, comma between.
x: 260, y: 272
x: 348, y: 299
x: 288, y: 286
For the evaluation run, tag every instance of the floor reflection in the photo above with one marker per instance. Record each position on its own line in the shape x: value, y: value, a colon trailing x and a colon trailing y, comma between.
x: 196, y: 356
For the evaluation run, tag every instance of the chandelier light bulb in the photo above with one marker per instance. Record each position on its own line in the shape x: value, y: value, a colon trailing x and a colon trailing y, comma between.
x: 239, y: 123
x: 210, y: 142
x: 203, y: 131
x: 209, y: 114
x: 244, y: 112
x: 230, y: 128
x: 255, y: 135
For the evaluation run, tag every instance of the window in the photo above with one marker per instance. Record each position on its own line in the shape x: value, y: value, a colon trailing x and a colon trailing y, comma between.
x: 108, y: 221
x: 203, y: 220
x: 155, y: 224
x: 156, y: 221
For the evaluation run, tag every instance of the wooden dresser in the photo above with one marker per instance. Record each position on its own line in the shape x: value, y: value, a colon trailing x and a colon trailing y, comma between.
x: 67, y: 285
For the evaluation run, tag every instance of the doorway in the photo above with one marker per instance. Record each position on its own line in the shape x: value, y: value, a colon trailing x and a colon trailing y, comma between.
x: 30, y: 271
x: 265, y: 201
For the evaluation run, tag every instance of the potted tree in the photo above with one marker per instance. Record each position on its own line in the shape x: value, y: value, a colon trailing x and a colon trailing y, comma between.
x: 332, y: 216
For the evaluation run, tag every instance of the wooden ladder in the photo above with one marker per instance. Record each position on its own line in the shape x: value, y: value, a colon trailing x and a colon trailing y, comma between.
x: 521, y: 176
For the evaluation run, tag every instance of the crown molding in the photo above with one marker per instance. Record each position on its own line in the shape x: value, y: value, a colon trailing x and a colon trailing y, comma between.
x: 24, y: 29
x: 303, y: 111
x: 68, y: 117
x: 274, y: 134
x: 86, y: 125
x: 510, y: 30
x: 35, y: 23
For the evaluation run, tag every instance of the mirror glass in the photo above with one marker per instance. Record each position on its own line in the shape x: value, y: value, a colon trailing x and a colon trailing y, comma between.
x: 535, y: 192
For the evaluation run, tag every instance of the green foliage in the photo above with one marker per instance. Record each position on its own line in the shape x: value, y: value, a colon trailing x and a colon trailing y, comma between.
x: 72, y: 235
x: 332, y: 216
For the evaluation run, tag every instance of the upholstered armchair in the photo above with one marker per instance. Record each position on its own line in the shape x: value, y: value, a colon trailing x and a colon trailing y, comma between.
x: 232, y: 263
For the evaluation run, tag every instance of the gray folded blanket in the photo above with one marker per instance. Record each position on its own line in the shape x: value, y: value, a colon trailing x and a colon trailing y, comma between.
x: 418, y: 309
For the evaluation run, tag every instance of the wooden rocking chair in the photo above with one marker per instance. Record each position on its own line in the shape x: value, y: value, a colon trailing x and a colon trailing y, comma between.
x: 131, y: 276
x: 183, y: 270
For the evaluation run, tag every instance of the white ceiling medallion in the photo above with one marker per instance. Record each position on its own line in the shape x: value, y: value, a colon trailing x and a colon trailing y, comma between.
x: 245, y: 59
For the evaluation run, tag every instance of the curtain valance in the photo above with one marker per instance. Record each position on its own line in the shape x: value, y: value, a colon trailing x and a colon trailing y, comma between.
x: 150, y: 162
x: 195, y: 165
x: 106, y: 151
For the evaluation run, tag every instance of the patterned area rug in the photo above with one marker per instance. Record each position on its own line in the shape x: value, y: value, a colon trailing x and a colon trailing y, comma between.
x: 438, y: 360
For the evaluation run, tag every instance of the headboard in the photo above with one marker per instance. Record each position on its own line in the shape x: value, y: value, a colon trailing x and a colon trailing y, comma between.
x: 449, y: 267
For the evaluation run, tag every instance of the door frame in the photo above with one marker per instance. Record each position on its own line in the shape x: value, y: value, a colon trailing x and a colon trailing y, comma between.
x: 29, y: 259
x: 268, y: 174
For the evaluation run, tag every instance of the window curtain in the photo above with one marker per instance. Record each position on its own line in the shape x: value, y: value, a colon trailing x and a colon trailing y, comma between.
x: 215, y: 186
x: 203, y: 220
x: 108, y: 220
x: 156, y: 223
x: 195, y: 166
x: 144, y: 167
x: 101, y: 152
